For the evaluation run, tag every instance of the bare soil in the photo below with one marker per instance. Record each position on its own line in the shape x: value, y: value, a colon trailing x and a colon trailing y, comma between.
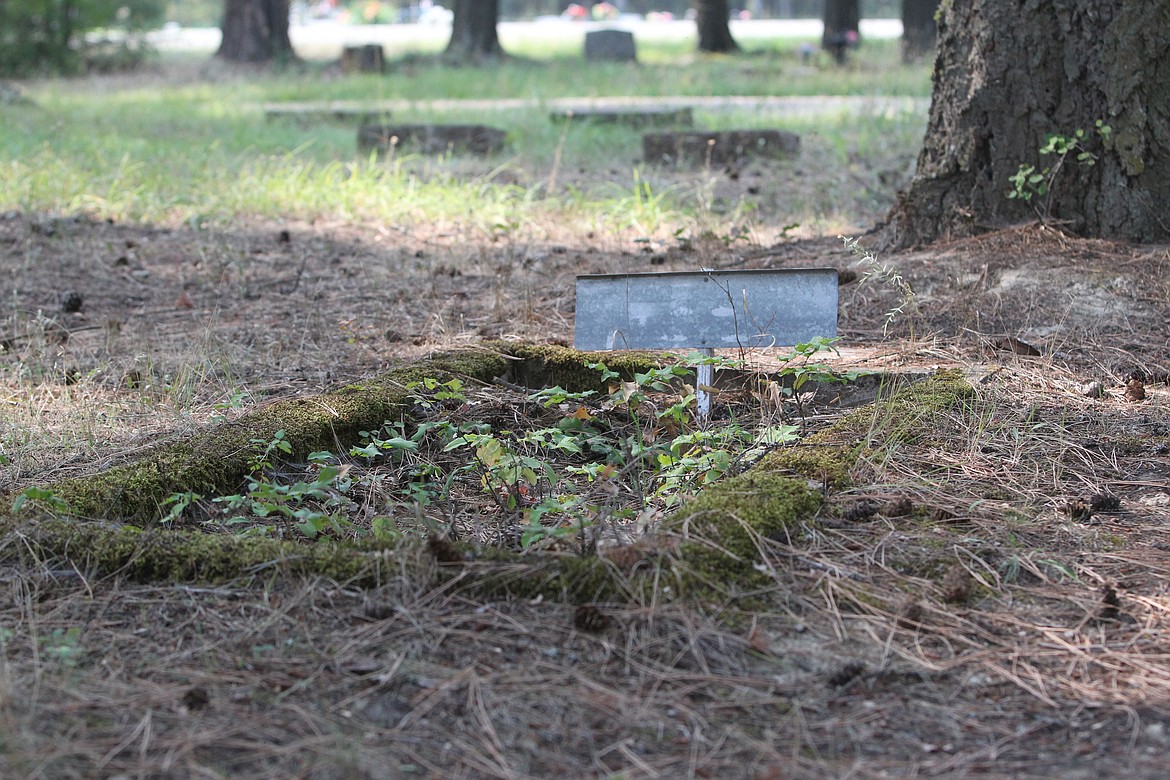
x: 990, y: 602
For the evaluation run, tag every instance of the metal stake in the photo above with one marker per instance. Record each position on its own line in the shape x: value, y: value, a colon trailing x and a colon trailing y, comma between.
x: 704, y: 377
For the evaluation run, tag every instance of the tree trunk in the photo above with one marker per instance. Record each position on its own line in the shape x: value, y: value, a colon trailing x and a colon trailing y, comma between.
x: 473, y: 30
x: 842, y: 21
x: 919, y: 32
x: 255, y: 31
x: 1009, y: 73
x: 714, y: 29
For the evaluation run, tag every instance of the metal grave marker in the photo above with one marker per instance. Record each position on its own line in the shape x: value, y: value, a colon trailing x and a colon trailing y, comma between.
x: 705, y: 310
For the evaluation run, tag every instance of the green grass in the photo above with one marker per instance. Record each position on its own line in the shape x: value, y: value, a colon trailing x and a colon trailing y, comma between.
x: 670, y: 69
x: 141, y: 150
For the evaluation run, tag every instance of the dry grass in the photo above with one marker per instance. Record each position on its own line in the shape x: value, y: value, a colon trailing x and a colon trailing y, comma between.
x: 999, y: 568
x: 975, y: 604
x: 954, y: 613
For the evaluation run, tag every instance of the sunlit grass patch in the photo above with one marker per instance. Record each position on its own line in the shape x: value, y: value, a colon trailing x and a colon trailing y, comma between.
x: 132, y: 160
x: 153, y: 151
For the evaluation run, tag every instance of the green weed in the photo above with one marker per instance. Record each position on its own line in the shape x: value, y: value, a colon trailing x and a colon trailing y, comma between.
x: 582, y: 463
x: 1029, y: 182
x: 40, y: 498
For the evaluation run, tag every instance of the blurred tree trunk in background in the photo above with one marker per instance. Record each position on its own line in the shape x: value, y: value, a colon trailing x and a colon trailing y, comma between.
x: 473, y: 30
x: 1010, y: 75
x: 842, y: 20
x: 714, y: 28
x: 919, y: 31
x: 255, y: 31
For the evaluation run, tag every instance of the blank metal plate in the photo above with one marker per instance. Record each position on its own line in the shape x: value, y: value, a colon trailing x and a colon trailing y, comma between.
x: 705, y: 309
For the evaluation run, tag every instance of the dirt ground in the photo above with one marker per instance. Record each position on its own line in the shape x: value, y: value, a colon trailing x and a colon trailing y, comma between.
x: 992, y: 602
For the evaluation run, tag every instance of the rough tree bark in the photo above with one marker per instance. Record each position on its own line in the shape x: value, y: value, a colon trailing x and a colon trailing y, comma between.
x: 919, y: 32
x: 1009, y: 73
x: 714, y: 28
x: 255, y: 31
x: 473, y: 30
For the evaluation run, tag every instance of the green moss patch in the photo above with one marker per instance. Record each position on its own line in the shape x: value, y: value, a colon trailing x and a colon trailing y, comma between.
x: 218, y: 460
x: 549, y: 365
x: 713, y: 541
x: 910, y: 414
x: 160, y: 555
x: 721, y: 531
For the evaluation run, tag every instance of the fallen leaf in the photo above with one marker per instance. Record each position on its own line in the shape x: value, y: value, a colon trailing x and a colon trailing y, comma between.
x: 1014, y: 345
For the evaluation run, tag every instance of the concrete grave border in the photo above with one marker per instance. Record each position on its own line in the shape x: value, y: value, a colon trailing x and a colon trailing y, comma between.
x: 707, y: 546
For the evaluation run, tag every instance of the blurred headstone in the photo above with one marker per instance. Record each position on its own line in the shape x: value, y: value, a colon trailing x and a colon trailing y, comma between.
x: 363, y: 59
x: 432, y: 139
x: 11, y: 94
x: 717, y: 148
x: 612, y: 45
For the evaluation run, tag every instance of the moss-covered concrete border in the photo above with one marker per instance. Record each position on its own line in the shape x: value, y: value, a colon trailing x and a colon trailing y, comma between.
x: 217, y: 460
x: 711, y: 542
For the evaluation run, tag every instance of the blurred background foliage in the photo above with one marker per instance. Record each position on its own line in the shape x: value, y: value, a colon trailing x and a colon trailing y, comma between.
x: 73, y: 36
x: 79, y: 36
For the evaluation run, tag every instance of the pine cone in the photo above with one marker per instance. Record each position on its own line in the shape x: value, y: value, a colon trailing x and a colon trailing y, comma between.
x: 1106, y: 503
x: 849, y: 671
x: 445, y: 550
x: 898, y: 507
x: 957, y: 585
x: 1135, y: 390
x: 589, y: 617
x: 860, y: 511
x: 1078, y: 510
x: 1110, y: 604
